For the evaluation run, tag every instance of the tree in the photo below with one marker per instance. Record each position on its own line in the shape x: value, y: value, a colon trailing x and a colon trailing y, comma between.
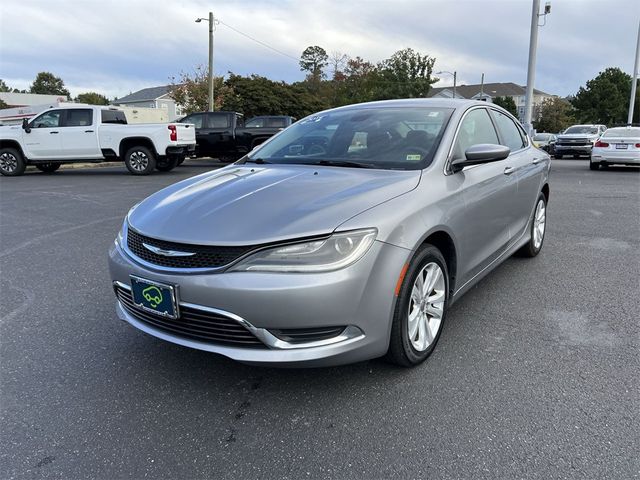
x: 605, y: 99
x: 555, y: 115
x: 47, y: 83
x: 508, y: 103
x: 92, y: 98
x: 406, y: 74
x: 192, y: 91
x: 4, y: 87
x: 313, y: 60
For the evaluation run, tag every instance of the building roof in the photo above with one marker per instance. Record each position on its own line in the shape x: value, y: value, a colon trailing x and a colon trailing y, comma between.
x: 145, y: 95
x: 508, y: 89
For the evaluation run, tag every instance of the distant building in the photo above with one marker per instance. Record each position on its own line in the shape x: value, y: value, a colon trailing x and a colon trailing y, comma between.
x: 492, y: 90
x: 29, y: 99
x: 154, y: 97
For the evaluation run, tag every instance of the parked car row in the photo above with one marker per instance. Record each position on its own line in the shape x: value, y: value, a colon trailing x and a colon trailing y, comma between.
x: 83, y: 133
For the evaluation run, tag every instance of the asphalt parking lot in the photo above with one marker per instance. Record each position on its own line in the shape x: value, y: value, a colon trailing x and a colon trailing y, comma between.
x: 536, y: 374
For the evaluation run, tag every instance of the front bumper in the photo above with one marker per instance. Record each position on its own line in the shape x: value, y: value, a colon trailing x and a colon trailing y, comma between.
x: 360, y: 297
x: 573, y: 149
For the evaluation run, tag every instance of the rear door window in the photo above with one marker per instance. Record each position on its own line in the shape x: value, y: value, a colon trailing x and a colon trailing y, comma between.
x: 80, y: 117
x: 509, y: 132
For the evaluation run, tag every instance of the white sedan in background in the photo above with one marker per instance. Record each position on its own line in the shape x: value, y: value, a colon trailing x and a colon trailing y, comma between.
x: 619, y: 145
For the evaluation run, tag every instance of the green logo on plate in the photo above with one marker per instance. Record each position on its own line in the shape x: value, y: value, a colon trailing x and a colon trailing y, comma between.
x: 153, y: 295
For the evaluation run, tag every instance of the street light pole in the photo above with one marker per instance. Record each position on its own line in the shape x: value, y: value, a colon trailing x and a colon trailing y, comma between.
x: 212, y: 27
x: 455, y: 76
x: 211, y: 77
x: 634, y: 80
x: 531, y: 69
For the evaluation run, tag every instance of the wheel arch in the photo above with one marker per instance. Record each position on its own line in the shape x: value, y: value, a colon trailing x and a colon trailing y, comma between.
x: 546, y: 191
x: 444, y: 242
x: 13, y: 144
x: 129, y: 142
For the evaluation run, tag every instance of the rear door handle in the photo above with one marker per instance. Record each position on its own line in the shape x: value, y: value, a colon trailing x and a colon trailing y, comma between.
x: 509, y: 170
x: 54, y: 133
x: 88, y: 131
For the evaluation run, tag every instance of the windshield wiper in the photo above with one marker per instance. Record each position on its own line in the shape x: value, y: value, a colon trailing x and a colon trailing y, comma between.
x: 259, y: 161
x: 343, y: 163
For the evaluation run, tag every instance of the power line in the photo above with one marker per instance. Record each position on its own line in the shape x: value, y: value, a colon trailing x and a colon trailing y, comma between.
x: 258, y: 41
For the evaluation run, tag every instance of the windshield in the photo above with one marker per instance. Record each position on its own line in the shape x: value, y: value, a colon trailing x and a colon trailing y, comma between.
x: 391, y: 138
x: 542, y: 137
x: 622, y: 133
x: 582, y: 129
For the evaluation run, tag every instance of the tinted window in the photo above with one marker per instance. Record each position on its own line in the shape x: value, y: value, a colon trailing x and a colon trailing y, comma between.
x: 113, y: 116
x: 48, y: 120
x: 255, y: 123
x: 509, y: 131
x: 195, y: 119
x: 218, y: 121
x: 277, y: 122
x: 476, y: 128
x: 79, y: 117
x: 398, y: 138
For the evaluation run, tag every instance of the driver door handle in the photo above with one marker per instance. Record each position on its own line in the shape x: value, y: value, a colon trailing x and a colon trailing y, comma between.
x: 54, y: 133
x: 88, y: 131
x: 509, y: 170
x: 536, y: 161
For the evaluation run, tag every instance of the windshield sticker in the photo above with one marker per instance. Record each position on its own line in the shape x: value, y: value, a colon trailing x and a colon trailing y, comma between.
x: 414, y: 158
x: 312, y: 119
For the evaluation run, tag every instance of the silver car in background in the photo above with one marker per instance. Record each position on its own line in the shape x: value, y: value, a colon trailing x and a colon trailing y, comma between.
x: 619, y: 145
x: 345, y: 237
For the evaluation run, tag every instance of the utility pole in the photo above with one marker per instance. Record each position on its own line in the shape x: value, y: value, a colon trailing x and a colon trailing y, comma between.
x: 455, y: 76
x: 211, y: 30
x: 634, y: 80
x: 482, y: 87
x: 531, y: 69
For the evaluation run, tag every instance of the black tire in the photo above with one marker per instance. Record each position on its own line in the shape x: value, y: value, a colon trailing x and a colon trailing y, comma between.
x: 12, y: 162
x: 48, y: 167
x: 167, y: 165
x: 401, y: 348
x: 593, y: 165
x: 557, y: 156
x: 181, y: 160
x: 140, y: 161
x: 576, y: 156
x: 531, y: 249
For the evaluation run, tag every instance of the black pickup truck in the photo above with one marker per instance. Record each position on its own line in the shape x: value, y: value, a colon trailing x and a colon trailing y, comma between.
x: 226, y: 136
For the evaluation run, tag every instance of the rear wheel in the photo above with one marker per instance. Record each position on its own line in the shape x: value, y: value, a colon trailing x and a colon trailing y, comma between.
x: 557, y: 156
x: 11, y: 162
x: 420, y: 309
x: 140, y: 161
x: 576, y: 156
x: 593, y: 165
x: 167, y: 164
x: 538, y: 229
x: 48, y: 167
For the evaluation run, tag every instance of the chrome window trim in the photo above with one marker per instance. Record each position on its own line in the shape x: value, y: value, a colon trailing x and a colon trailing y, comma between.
x: 351, y: 332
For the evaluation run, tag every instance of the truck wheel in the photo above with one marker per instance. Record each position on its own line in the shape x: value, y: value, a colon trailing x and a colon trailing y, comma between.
x: 11, y: 162
x: 557, y: 156
x: 48, y: 167
x: 167, y: 164
x: 140, y: 161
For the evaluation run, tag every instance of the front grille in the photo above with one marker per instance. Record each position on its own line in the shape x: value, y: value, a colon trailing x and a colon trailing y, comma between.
x: 193, y: 324
x: 205, y: 256
x: 302, y: 335
x: 573, y: 141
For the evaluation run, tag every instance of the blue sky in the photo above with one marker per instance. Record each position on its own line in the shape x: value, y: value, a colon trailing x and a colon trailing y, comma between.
x: 118, y: 46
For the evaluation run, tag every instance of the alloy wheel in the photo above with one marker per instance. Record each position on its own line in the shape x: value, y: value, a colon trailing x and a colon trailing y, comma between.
x: 539, y: 223
x: 139, y: 161
x: 426, y: 307
x: 8, y: 162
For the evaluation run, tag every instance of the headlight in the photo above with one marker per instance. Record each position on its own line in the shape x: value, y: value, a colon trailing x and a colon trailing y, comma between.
x: 338, y: 251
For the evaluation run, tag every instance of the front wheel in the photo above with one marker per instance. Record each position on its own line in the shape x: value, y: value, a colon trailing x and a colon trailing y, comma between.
x: 12, y: 163
x: 538, y: 229
x: 420, y: 309
x: 140, y: 161
x: 48, y: 167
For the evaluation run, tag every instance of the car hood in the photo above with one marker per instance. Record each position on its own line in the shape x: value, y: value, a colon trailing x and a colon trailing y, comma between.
x: 248, y: 205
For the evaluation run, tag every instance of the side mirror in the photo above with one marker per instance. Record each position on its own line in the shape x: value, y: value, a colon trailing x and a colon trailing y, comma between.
x: 481, y: 153
x: 25, y: 125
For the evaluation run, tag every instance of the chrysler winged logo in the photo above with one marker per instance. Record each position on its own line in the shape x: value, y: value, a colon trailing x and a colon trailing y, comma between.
x: 167, y: 253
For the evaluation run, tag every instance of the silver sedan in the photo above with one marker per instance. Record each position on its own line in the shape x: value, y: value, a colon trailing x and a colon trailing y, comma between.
x: 345, y: 237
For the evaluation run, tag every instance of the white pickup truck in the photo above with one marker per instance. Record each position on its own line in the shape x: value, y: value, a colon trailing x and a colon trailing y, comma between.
x: 87, y: 133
